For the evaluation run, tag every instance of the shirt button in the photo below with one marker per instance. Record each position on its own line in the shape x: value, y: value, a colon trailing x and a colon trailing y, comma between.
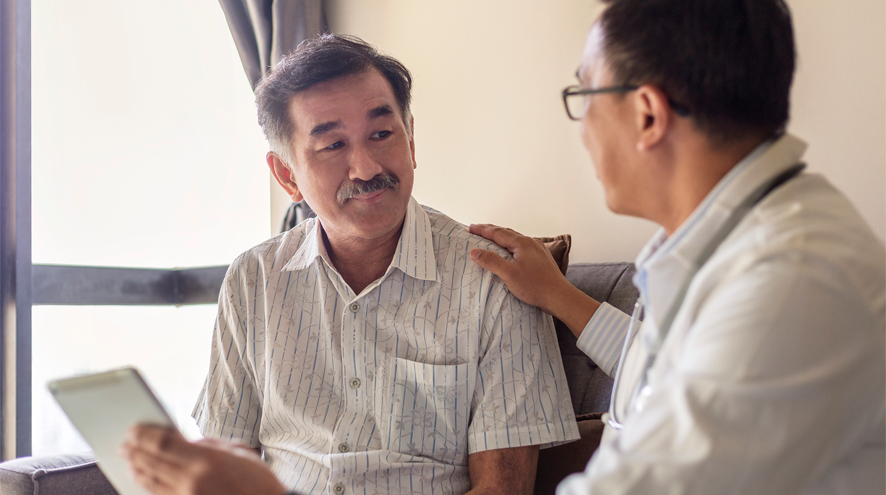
x: 343, y: 448
x: 338, y: 489
x: 354, y: 307
x: 355, y: 383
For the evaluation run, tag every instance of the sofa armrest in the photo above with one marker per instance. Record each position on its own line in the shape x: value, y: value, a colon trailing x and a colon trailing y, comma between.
x: 63, y: 474
x: 558, y: 462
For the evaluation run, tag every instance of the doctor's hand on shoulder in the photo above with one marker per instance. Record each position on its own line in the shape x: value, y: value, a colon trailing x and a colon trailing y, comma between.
x: 165, y: 463
x: 533, y: 277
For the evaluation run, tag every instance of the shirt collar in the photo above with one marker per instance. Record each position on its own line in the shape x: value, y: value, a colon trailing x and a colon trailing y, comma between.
x: 414, y: 255
x: 311, y: 248
x: 665, y: 262
x: 415, y: 251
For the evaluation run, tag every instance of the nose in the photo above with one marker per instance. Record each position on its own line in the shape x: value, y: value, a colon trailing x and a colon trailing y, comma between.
x: 363, y: 164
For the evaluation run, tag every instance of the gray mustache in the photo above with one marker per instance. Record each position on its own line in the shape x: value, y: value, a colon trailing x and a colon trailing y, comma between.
x: 358, y: 187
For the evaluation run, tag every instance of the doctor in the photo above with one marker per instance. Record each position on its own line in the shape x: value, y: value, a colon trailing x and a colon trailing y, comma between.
x: 759, y: 365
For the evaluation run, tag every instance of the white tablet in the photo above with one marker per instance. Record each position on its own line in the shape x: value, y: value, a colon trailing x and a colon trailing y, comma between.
x: 103, y: 407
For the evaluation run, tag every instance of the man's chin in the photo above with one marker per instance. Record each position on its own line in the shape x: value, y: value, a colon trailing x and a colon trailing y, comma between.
x: 614, y: 204
x: 369, y: 221
x: 378, y: 233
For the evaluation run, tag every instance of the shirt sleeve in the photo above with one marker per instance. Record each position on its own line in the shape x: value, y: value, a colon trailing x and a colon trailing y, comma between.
x: 778, y: 378
x: 229, y: 407
x: 521, y: 397
x: 603, y: 337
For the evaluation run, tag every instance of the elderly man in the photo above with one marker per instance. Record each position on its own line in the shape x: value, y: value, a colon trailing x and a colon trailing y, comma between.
x: 362, y: 351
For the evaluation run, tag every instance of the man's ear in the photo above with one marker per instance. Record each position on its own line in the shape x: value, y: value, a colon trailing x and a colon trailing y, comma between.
x: 653, y: 116
x: 412, y: 140
x: 284, y: 177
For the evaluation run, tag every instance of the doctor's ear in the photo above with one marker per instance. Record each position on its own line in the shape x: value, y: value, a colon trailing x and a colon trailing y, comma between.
x: 653, y: 116
x: 283, y: 173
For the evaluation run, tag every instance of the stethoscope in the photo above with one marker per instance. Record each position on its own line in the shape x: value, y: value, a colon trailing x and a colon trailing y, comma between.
x: 643, y: 390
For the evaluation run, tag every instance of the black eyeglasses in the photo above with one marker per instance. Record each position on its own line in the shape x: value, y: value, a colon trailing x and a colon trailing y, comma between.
x: 575, y: 107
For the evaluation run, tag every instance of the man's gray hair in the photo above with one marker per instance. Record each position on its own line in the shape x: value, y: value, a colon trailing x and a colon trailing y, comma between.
x: 325, y: 58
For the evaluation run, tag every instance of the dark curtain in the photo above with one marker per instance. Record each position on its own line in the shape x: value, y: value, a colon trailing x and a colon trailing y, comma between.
x: 265, y: 30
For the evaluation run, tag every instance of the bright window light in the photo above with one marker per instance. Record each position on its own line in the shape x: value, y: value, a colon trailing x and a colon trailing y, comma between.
x: 146, y: 153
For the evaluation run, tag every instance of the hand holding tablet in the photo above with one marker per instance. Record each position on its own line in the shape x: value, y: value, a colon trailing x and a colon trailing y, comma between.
x: 137, y: 445
x: 103, y: 407
x: 167, y: 464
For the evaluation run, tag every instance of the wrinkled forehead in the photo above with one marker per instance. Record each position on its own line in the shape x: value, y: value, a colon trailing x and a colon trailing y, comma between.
x: 361, y: 93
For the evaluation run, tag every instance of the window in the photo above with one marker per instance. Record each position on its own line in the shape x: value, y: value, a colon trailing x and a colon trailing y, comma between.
x: 145, y: 154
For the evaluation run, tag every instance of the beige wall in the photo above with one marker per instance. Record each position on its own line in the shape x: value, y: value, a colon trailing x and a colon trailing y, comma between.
x: 839, y: 97
x: 493, y: 142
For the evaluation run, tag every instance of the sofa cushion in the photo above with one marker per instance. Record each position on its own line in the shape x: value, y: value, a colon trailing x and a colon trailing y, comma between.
x: 559, y: 247
x: 609, y: 282
x: 63, y: 474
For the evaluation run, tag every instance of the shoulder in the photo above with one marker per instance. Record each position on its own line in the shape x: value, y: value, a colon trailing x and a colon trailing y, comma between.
x: 450, y: 234
x: 800, y: 282
x: 453, y: 243
x: 806, y: 242
x: 811, y: 201
x: 809, y: 222
x: 812, y: 224
x: 274, y: 253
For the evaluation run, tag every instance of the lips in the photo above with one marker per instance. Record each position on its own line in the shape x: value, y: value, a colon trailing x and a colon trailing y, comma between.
x: 370, y: 197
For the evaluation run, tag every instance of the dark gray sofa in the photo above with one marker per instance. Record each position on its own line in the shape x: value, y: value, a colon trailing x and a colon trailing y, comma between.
x: 71, y: 474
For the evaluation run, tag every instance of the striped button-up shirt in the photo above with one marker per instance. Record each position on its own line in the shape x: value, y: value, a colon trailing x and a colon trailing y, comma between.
x: 389, y: 390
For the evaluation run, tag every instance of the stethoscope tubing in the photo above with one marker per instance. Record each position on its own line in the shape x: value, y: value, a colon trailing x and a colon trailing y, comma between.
x: 629, y: 337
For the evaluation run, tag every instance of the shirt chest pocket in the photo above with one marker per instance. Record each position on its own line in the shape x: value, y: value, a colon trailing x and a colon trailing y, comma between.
x: 424, y: 409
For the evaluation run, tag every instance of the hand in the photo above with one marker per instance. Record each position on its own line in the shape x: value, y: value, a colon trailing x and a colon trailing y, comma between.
x: 164, y: 463
x: 533, y: 276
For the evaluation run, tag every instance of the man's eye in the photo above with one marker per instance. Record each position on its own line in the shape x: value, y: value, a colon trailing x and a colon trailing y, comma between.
x: 334, y: 146
x: 381, y: 134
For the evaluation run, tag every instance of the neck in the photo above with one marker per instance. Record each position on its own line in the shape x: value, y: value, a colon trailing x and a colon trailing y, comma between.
x: 697, y: 169
x: 361, y: 261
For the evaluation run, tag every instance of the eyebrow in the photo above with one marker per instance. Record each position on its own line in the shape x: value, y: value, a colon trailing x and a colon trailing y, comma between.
x: 320, y: 129
x: 380, y: 111
x: 325, y: 127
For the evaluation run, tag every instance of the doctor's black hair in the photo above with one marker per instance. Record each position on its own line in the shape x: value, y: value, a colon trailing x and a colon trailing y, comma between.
x: 327, y: 57
x: 730, y: 63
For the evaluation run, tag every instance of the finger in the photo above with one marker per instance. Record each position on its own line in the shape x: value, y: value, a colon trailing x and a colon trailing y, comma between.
x: 153, y: 469
x: 235, y: 448
x: 211, y: 443
x: 490, y: 261
x: 157, y: 440
x: 151, y: 483
x: 480, y: 228
x: 505, y: 238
